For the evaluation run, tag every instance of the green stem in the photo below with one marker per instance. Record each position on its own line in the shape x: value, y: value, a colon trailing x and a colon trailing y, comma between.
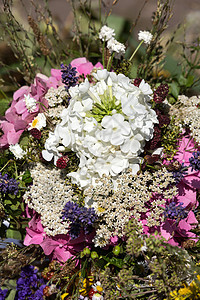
x: 103, y: 54
x: 2, y: 92
x: 136, y: 50
x: 110, y: 61
x: 10, y: 160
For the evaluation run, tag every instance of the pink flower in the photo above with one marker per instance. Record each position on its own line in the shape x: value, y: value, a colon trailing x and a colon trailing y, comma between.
x: 17, y: 117
x: 62, y: 247
x: 35, y: 233
x: 176, y: 234
x: 83, y: 66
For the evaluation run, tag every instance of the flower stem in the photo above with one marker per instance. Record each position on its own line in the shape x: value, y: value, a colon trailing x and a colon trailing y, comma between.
x: 103, y: 54
x: 135, y: 50
x: 110, y: 61
x: 10, y: 160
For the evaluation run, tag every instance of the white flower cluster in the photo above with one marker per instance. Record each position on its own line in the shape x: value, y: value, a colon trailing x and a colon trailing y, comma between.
x: 106, y: 124
x: 56, y: 96
x: 30, y: 103
x: 146, y: 36
x: 107, y: 34
x: 47, y: 196
x: 187, y: 111
x: 17, y: 151
x: 132, y: 197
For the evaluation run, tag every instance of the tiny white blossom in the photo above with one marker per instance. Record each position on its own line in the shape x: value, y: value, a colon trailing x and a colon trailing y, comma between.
x: 30, y: 103
x: 39, y: 122
x: 146, y: 36
x: 17, y: 151
x: 106, y: 33
x: 117, y: 47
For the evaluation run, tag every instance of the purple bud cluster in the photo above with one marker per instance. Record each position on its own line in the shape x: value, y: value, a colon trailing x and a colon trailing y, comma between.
x: 8, y: 185
x: 195, y: 161
x: 175, y: 211
x: 29, y: 285
x: 80, y: 218
x: 180, y: 173
x: 69, y: 77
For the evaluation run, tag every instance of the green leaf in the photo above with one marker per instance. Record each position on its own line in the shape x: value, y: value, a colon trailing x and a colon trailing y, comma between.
x: 24, y: 141
x: 13, y: 234
x: 27, y: 177
x: 174, y: 89
x: 11, y: 295
x: 4, y: 104
x: 190, y: 81
x: 118, y: 262
x: 182, y: 80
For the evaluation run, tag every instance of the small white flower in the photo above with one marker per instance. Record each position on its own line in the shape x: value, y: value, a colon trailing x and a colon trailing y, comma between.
x: 106, y: 33
x: 39, y: 122
x: 117, y: 47
x: 17, y: 151
x: 146, y: 36
x: 30, y: 103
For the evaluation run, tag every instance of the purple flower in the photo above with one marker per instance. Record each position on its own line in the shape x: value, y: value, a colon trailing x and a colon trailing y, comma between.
x: 195, y: 161
x: 180, y: 173
x: 69, y: 77
x: 8, y: 185
x: 175, y: 211
x: 80, y: 218
x: 29, y: 285
x: 3, y: 294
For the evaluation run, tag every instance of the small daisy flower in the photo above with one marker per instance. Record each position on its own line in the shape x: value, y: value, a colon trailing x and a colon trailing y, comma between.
x: 30, y: 103
x: 39, y: 122
x: 146, y: 36
x: 106, y: 33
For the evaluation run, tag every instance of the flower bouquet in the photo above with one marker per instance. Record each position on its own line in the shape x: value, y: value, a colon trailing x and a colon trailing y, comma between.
x: 102, y: 172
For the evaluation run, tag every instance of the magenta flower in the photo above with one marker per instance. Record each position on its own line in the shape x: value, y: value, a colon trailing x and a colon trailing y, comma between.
x: 83, y: 66
x: 62, y: 247
x: 35, y: 233
x: 18, y: 115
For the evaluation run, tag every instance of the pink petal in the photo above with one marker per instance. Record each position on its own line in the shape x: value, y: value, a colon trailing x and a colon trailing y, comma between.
x: 78, y: 61
x: 61, y: 254
x: 49, y: 245
x: 13, y: 136
x: 20, y: 107
x: 85, y: 68
x: 19, y: 93
x: 56, y: 73
x: 99, y: 65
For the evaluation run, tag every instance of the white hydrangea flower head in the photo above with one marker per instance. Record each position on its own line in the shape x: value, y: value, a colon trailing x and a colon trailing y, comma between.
x: 17, y: 151
x: 107, y: 124
x: 106, y: 33
x: 117, y: 47
x: 146, y: 36
x: 39, y: 122
x: 30, y: 103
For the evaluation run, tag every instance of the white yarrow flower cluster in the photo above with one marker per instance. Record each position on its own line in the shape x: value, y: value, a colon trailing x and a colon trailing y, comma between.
x: 106, y: 124
x: 106, y: 33
x: 146, y: 36
x: 47, y: 196
x: 17, y: 151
